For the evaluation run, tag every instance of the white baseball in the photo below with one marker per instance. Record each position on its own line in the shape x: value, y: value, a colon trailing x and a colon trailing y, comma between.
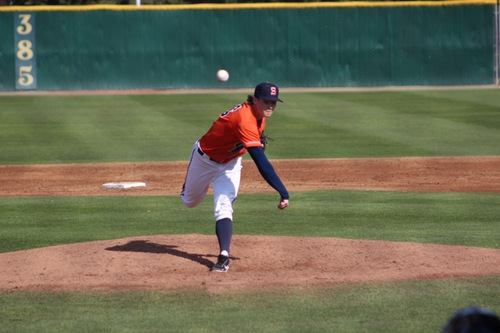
x: 222, y: 75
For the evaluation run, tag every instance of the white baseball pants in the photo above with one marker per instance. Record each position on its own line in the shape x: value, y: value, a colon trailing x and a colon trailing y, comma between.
x: 225, y: 180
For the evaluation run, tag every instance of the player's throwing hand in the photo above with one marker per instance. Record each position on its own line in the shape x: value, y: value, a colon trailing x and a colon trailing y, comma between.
x: 283, y: 204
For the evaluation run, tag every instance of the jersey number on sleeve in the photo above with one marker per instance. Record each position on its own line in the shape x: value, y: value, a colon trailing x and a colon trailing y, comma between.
x: 236, y: 108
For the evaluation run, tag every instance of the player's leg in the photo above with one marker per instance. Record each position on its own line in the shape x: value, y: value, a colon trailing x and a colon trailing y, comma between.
x: 225, y: 187
x: 199, y: 174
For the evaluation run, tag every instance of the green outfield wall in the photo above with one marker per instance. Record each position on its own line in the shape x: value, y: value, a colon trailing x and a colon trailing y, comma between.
x: 294, y: 45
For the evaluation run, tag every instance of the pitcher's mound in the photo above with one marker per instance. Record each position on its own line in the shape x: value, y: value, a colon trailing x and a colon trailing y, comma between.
x: 166, y: 262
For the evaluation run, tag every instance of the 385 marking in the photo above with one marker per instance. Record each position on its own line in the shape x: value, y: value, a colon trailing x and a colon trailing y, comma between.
x: 24, y: 34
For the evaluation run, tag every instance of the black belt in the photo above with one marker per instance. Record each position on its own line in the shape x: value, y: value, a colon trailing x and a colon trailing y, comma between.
x: 202, y: 153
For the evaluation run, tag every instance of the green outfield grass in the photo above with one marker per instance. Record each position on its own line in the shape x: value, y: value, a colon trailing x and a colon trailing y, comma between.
x: 85, y: 129
x: 75, y: 129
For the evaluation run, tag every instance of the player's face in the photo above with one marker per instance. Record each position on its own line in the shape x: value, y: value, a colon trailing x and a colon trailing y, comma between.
x: 264, y: 108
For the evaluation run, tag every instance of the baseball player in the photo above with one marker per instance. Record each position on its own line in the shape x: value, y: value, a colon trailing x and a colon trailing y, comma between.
x: 216, y: 160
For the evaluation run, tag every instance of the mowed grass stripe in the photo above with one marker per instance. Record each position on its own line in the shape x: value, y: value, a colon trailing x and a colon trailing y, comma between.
x: 74, y: 129
x: 442, y: 218
x: 388, y: 124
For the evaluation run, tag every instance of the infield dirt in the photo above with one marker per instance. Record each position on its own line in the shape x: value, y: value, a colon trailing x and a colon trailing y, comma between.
x: 165, y: 262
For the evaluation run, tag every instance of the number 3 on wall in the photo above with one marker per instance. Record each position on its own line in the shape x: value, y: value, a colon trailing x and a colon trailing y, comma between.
x: 24, y: 26
x: 24, y: 30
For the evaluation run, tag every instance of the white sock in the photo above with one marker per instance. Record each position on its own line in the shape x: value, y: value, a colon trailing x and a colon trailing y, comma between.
x: 224, y: 253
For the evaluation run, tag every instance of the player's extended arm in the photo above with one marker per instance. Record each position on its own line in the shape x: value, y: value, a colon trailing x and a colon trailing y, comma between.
x: 269, y: 174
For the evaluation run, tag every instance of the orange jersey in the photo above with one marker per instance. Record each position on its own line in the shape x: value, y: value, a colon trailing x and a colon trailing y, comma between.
x: 232, y: 133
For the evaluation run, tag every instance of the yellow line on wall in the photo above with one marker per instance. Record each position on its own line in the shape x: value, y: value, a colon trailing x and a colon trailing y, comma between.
x: 279, y: 5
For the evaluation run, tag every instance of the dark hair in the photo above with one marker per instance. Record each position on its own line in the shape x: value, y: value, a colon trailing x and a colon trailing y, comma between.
x: 250, y: 99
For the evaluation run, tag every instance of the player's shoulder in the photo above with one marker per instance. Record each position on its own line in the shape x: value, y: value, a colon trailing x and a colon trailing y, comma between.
x: 246, y: 111
x: 240, y: 111
x: 232, y: 111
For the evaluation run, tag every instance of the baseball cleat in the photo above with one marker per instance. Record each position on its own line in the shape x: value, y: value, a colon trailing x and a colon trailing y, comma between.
x: 222, y: 264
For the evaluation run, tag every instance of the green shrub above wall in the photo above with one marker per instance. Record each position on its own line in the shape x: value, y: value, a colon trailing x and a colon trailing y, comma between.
x: 294, y: 45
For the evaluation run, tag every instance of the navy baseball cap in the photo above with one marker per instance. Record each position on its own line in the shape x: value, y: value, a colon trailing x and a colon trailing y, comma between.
x: 267, y: 91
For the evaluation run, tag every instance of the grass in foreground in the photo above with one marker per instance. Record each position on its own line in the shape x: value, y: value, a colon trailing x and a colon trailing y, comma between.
x: 411, y: 306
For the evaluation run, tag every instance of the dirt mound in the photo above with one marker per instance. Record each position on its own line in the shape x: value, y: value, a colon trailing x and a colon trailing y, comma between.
x: 166, y: 262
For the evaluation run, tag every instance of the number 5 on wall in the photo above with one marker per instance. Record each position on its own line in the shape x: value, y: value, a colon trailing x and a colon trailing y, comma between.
x: 25, y: 76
